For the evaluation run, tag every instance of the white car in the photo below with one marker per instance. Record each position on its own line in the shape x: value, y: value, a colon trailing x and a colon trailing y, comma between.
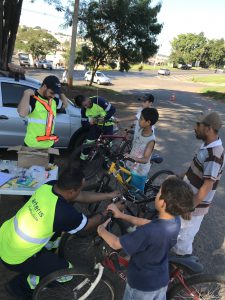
x: 43, y: 64
x: 99, y: 78
x: 164, y: 72
x: 13, y: 127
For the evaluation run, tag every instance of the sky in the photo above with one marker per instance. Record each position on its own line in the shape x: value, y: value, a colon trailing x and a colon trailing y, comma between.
x: 177, y: 16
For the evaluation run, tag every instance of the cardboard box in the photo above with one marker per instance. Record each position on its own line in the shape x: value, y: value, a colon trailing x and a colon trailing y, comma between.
x: 28, y: 157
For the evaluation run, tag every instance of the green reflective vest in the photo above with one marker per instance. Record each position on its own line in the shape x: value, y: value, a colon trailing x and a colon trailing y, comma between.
x: 37, y: 120
x: 30, y: 229
x: 97, y: 111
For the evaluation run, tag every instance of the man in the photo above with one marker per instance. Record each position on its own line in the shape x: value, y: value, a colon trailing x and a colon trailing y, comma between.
x: 40, y: 107
x: 95, y: 112
x: 25, y: 238
x: 203, y: 176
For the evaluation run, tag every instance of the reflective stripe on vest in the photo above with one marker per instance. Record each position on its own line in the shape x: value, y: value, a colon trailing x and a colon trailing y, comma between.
x: 26, y: 237
x: 38, y: 121
x: 49, y: 122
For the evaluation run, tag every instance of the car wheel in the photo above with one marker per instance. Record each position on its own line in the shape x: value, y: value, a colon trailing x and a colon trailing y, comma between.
x: 42, y: 66
x: 50, y: 68
x: 98, y: 82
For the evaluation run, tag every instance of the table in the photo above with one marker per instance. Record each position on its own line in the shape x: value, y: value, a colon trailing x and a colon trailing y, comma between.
x: 8, y: 189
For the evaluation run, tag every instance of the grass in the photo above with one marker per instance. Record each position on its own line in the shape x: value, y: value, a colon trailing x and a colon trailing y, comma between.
x: 217, y: 93
x: 94, y: 88
x: 217, y: 78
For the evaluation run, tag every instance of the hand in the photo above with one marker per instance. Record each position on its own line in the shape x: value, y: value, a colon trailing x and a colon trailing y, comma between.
x: 186, y: 216
x: 127, y: 155
x: 114, y: 194
x: 115, y: 210
x: 103, y: 226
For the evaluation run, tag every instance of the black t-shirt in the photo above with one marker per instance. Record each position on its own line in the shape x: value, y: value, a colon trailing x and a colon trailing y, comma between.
x: 67, y: 218
x: 33, y: 101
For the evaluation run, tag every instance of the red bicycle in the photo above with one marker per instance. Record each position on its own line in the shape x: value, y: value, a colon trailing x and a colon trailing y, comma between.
x: 186, y: 278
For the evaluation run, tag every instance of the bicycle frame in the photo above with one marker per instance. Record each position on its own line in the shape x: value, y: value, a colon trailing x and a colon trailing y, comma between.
x: 117, y: 174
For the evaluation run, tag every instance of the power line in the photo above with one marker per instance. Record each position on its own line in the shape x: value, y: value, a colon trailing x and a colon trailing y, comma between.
x: 41, y: 13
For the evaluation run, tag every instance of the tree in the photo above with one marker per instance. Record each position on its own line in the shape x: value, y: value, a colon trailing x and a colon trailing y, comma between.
x: 214, y: 54
x: 188, y: 48
x: 116, y: 29
x: 10, y: 12
x: 37, y: 41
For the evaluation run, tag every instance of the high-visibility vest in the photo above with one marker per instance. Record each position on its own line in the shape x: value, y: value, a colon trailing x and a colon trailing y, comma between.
x: 30, y: 229
x: 41, y: 123
x: 97, y: 111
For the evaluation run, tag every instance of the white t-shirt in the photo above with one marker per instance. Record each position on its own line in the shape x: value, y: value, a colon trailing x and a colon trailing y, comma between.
x: 139, y: 145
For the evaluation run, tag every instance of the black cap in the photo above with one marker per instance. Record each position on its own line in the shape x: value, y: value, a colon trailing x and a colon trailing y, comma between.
x: 147, y: 97
x: 52, y: 82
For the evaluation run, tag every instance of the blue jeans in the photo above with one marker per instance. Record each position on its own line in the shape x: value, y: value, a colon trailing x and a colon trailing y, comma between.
x: 133, y: 294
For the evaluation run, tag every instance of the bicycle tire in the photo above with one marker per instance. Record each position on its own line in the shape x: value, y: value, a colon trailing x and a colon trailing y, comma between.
x: 126, y: 147
x: 152, y: 181
x: 49, y: 288
x: 176, y: 291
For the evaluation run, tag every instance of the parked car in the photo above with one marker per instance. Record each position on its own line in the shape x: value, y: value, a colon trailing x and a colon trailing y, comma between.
x: 24, y: 59
x: 43, y: 64
x: 220, y: 71
x: 164, y: 72
x: 99, y: 78
x: 184, y: 66
x: 13, y: 127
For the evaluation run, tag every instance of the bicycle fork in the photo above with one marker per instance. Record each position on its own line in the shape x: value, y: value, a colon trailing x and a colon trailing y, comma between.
x: 99, y: 267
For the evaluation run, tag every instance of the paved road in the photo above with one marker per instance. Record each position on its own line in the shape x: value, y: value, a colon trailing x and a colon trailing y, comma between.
x: 176, y: 142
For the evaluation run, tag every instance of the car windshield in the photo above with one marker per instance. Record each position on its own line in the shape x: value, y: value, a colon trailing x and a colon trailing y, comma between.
x: 100, y: 75
x: 23, y: 56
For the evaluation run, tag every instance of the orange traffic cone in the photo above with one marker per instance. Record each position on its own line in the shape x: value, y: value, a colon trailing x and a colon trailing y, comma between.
x: 173, y: 97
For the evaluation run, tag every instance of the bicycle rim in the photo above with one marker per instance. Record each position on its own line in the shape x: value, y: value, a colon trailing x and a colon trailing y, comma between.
x: 158, y: 178
x: 50, y: 289
x: 202, y: 287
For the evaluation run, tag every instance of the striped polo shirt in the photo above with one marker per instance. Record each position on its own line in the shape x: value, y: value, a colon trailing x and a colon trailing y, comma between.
x: 208, y: 163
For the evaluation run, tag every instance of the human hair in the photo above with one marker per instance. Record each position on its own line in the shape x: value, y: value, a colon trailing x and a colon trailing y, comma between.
x: 70, y: 178
x: 79, y: 100
x: 178, y: 196
x: 149, y: 98
x: 150, y: 114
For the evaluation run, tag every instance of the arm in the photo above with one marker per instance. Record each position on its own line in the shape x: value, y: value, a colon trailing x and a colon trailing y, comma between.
x: 108, y: 107
x: 147, y: 154
x: 23, y: 107
x: 131, y: 118
x: 94, y: 221
x: 90, y: 197
x: 84, y: 119
x: 131, y: 219
x: 111, y: 239
x: 64, y: 100
x: 203, y: 191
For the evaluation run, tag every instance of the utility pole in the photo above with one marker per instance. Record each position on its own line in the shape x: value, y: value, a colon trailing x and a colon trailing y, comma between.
x: 73, y: 44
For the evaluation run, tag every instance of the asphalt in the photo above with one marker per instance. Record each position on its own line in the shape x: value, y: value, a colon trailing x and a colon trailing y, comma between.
x: 175, y: 142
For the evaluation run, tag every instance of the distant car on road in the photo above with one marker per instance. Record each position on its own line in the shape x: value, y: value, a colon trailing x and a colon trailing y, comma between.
x: 24, y: 59
x: 184, y: 66
x: 163, y: 72
x: 43, y: 64
x: 99, y: 78
x: 220, y: 71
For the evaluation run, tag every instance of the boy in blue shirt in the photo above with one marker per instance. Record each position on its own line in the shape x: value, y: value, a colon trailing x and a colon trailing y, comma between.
x: 149, y: 245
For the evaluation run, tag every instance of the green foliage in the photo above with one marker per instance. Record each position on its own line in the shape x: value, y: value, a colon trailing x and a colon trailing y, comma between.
x: 190, y: 48
x: 36, y: 41
x: 119, y: 30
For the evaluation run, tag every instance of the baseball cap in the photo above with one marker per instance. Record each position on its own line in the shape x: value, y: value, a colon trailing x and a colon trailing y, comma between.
x: 211, y: 119
x: 52, y: 82
x: 148, y: 97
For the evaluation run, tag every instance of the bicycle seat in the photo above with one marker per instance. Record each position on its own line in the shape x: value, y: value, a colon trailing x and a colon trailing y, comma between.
x: 191, y: 262
x: 156, y: 158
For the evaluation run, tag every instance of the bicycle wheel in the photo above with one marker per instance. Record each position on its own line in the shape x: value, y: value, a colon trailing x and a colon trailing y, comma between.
x: 206, y: 287
x: 157, y: 179
x: 125, y: 147
x: 49, y: 288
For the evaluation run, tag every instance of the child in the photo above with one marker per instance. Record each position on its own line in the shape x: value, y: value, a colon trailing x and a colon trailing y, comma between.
x: 142, y: 148
x: 148, y: 100
x: 149, y: 244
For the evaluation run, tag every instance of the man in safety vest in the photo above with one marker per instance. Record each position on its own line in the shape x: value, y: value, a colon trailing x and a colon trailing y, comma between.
x: 96, y: 113
x: 26, y: 238
x: 40, y: 107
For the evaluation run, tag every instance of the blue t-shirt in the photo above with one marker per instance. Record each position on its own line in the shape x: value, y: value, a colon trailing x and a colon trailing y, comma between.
x: 148, y: 247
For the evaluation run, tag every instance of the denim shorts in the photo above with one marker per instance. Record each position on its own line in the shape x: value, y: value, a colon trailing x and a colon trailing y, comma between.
x: 133, y: 294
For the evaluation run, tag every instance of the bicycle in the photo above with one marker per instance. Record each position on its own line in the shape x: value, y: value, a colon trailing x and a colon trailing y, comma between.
x: 186, y: 279
x: 101, y: 150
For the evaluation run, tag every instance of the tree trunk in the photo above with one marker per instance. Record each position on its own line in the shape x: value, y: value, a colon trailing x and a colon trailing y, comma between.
x: 73, y: 45
x: 10, y: 12
x: 94, y: 70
